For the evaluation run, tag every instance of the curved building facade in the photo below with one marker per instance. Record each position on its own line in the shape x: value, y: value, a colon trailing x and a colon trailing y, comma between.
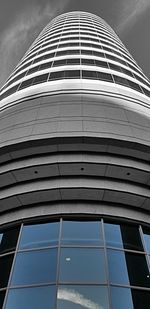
x: 75, y: 173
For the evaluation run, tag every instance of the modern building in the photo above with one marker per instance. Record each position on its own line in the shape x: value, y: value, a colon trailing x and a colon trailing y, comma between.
x: 75, y: 173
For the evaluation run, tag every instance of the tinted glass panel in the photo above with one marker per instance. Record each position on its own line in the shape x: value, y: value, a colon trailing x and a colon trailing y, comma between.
x: 147, y: 239
x: 35, y: 267
x: 83, y: 233
x: 121, y: 80
x: 137, y: 269
x: 8, y: 240
x: 56, y: 75
x: 26, y: 83
x: 82, y: 265
x: 59, y: 62
x: 104, y: 76
x: 31, y: 298
x: 117, y: 267
x: 122, y: 298
x: 113, y: 235
x: 88, y: 61
x: 77, y: 297
x: 39, y: 235
x: 5, y: 268
x: 141, y: 299
x: 45, y: 65
x: 72, y: 74
x: 101, y: 64
x: 73, y: 61
x: 40, y: 79
x: 2, y: 295
x: 89, y: 74
x: 131, y: 237
x: 32, y: 70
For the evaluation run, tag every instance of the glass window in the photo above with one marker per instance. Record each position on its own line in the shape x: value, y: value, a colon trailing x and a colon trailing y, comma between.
x: 33, y: 70
x: 125, y: 71
x: 35, y: 267
x: 113, y: 235
x: 59, y: 62
x: 122, y: 298
x: 73, y: 61
x: 120, y: 80
x: 101, y: 64
x: 31, y: 298
x: 141, y: 299
x: 104, y: 76
x: 56, y: 75
x: 2, y: 296
x: 44, y: 66
x: 26, y: 83
x: 73, y: 52
x: 89, y: 74
x: 76, y: 297
x: 98, y: 54
x: 39, y: 235
x: 82, y: 265
x: 40, y: 79
x: 147, y: 239
x: 123, y: 236
x: 88, y: 61
x: 137, y: 269
x: 82, y: 233
x: 72, y: 74
x: 115, y: 67
x: 131, y: 237
x: 5, y: 268
x: 86, y: 52
x: 146, y: 92
x: 118, y: 271
x: 8, y: 240
x: 134, y: 86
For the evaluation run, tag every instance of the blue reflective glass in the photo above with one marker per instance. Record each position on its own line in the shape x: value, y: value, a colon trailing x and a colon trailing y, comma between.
x: 85, y: 296
x: 113, y: 235
x: 82, y: 265
x: 147, y: 240
x: 39, y: 235
x: 83, y: 233
x: 31, y: 298
x: 121, y: 298
x: 35, y: 267
x: 118, y: 272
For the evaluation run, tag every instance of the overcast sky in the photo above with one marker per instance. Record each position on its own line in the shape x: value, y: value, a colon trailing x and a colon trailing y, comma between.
x: 21, y: 21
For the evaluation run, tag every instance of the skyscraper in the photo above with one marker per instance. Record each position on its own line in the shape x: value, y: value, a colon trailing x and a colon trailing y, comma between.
x: 75, y: 198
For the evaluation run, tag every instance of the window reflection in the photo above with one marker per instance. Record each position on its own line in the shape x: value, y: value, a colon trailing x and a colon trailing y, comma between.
x: 122, y: 298
x: 35, y: 267
x: 82, y: 265
x: 31, y: 298
x: 39, y: 235
x: 147, y: 239
x: 82, y: 232
x: 118, y: 271
x: 75, y: 297
x: 113, y: 235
